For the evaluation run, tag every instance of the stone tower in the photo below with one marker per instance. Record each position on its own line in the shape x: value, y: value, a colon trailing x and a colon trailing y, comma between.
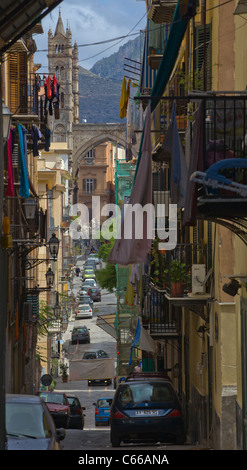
x: 63, y: 63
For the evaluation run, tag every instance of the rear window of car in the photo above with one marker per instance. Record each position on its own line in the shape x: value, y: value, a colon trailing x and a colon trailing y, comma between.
x: 135, y: 393
x: 53, y: 398
x: 80, y: 330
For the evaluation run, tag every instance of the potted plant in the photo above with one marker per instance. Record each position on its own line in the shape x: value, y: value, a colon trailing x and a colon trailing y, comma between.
x: 64, y: 370
x: 178, y: 276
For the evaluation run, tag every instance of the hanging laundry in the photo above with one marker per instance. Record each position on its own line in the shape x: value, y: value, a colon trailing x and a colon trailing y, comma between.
x: 10, y: 187
x: 48, y: 84
x: 47, y: 139
x: 123, y: 99
x: 24, y: 183
x: 36, y: 136
x: 54, y: 84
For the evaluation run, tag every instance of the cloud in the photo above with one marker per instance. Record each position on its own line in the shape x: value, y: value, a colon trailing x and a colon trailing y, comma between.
x: 92, y: 21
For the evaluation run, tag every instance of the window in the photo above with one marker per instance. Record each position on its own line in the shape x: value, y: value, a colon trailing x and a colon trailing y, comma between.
x: 89, y: 185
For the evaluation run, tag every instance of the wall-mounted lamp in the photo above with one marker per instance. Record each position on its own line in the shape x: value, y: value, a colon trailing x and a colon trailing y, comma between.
x: 231, y: 288
x: 30, y: 206
x: 53, y: 246
x: 57, y: 307
x: 49, y: 277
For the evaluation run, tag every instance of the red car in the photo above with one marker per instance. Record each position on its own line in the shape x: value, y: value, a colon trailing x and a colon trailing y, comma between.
x: 94, y: 293
x: 58, y: 405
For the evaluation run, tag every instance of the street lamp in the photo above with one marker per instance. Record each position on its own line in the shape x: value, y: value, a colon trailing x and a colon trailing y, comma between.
x: 53, y: 246
x: 49, y: 277
x: 6, y: 120
x: 57, y: 307
x: 30, y: 206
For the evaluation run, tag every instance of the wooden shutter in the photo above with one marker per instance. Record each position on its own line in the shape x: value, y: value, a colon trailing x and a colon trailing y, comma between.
x: 13, y: 97
x: 199, y: 59
x: 17, y: 71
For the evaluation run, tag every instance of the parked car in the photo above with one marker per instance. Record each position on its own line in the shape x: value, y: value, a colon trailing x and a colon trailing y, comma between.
x: 80, y: 334
x: 29, y: 424
x: 146, y: 410
x: 102, y: 411
x: 85, y: 298
x: 89, y: 283
x: 89, y: 275
x: 95, y: 294
x: 97, y: 354
x: 84, y: 311
x: 58, y: 405
x: 76, y: 413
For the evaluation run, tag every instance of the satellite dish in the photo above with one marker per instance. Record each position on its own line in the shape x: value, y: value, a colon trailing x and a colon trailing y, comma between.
x: 46, y: 380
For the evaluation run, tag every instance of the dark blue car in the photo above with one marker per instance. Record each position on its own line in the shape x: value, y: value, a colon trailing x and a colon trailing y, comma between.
x: 146, y: 410
x: 102, y: 411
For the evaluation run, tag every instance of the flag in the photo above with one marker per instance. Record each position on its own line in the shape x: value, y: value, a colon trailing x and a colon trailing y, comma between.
x: 134, y: 250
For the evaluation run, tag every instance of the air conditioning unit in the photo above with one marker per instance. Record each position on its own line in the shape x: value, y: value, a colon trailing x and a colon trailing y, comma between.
x: 27, y: 312
x: 198, y: 278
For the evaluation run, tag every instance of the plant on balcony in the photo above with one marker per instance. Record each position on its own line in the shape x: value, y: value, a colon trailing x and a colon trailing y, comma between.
x: 64, y: 370
x: 158, y: 271
x: 178, y: 276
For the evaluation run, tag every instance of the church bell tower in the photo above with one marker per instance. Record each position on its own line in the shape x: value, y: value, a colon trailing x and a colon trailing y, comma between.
x: 63, y: 63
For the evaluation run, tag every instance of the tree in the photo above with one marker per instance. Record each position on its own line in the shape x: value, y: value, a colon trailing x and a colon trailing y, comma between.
x: 106, y: 276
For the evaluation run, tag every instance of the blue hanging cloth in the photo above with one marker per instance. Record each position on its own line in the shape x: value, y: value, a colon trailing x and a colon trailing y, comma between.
x: 24, y: 182
x: 136, y: 339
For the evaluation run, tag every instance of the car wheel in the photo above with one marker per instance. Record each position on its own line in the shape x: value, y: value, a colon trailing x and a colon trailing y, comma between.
x: 115, y: 440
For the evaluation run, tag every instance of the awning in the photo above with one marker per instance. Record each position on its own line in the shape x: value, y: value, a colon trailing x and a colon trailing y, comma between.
x: 168, y: 61
x: 19, y: 16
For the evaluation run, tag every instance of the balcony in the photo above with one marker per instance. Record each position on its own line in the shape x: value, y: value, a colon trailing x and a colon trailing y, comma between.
x: 182, y: 276
x: 161, y: 11
x: 161, y: 319
x: 221, y: 182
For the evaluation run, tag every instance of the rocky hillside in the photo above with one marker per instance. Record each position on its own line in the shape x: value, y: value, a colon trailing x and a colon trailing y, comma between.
x: 100, y: 87
x: 113, y: 66
x: 98, y: 98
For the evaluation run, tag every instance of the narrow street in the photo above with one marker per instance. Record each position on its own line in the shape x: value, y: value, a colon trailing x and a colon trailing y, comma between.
x: 92, y: 437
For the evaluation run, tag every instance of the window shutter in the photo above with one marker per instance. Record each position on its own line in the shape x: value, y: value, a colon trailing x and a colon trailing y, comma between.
x: 199, y: 62
x: 13, y: 98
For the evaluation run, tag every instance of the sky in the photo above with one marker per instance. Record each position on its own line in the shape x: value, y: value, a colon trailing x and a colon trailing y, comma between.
x: 93, y: 21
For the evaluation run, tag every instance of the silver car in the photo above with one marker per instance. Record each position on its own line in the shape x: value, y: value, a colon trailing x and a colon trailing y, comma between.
x: 84, y: 311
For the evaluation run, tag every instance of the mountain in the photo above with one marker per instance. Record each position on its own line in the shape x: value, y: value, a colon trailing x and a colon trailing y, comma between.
x: 98, y: 98
x: 100, y: 87
x: 113, y: 66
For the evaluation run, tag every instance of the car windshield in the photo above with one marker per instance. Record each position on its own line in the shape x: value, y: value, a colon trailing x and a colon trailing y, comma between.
x: 134, y: 393
x: 80, y: 330
x: 27, y: 420
x: 53, y: 398
x: 83, y: 307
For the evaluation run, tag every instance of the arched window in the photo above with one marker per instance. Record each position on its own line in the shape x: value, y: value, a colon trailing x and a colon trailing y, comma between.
x: 57, y: 72
x: 62, y: 73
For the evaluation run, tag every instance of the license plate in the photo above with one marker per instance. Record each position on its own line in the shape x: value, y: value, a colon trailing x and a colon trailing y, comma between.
x: 147, y: 413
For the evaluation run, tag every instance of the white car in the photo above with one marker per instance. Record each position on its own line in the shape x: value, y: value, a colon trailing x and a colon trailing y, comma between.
x: 84, y: 311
